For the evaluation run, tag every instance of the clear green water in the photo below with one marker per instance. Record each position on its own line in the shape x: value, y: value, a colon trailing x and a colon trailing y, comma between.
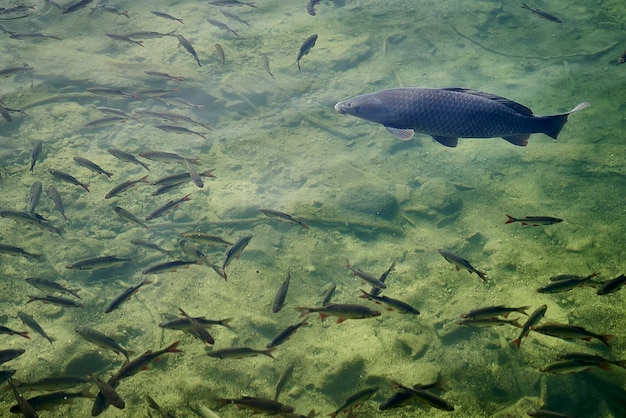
x: 279, y: 144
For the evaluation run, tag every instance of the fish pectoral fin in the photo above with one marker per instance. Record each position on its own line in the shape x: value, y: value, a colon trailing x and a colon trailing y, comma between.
x: 401, y: 134
x: 519, y: 140
x: 446, y: 141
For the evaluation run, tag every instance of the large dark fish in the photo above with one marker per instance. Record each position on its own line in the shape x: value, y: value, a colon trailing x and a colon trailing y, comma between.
x: 452, y: 113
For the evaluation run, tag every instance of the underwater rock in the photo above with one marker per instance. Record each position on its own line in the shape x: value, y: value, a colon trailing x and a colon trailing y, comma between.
x: 345, y: 375
x: 439, y: 195
x: 370, y: 200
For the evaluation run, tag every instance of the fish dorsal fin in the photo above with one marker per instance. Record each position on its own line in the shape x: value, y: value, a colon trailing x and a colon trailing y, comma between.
x: 447, y: 141
x: 519, y: 108
x: 401, y: 134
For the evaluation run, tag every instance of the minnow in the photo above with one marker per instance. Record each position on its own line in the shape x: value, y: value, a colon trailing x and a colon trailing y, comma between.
x: 180, y: 178
x: 459, y: 262
x: 222, y: 26
x: 282, y: 336
x: 281, y: 294
x: 207, y: 239
x: 33, y: 36
x: 174, y: 117
x: 167, y: 157
x: 375, y: 291
x: 164, y: 75
x: 17, y: 251
x: 180, y: 130
x: 342, y: 311
x: 55, y: 196
x: 120, y: 188
x: 123, y: 213
x: 31, y: 323
x: 125, y: 295
x: 354, y: 401
x: 234, y: 17
x: 34, y: 155
x: 487, y: 322
x: 166, y: 98
x: 8, y: 331
x: 306, y: 47
x: 140, y: 363
x: 34, y: 219
x: 494, y: 311
x: 281, y: 216
x: 187, y: 45
x: 427, y: 397
x: 154, y: 92
x: 124, y: 38
x: 98, y: 263
x: 366, y: 276
x: 310, y: 7
x: 200, y: 331
x: 266, y: 64
x: 570, y: 332
x: 34, y: 196
x: 113, y: 111
x: 232, y: 3
x: 258, y: 405
x: 10, y: 354
x: 92, y: 166
x: 167, y: 16
x: 542, y: 14
x: 233, y: 252
x: 182, y: 324
x: 108, y: 91
x: 5, y: 72
x: 532, y: 320
x: 50, y: 286
x: 220, y: 53
x: 240, y: 352
x: 393, y: 304
x: 125, y: 156
x: 282, y: 380
x: 109, y: 9
x: 534, y: 220
x: 108, y: 392
x: 612, y: 285
x: 108, y: 121
x: 167, y: 207
x: 149, y: 246
x: 76, y: 6
x: 68, y: 178
x: 101, y: 340
x: 167, y: 188
x: 56, y: 300
x: 150, y: 34
x: 168, y: 266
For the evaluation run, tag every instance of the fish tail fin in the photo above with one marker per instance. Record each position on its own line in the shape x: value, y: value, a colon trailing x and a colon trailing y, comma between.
x: 556, y: 122
x: 516, y: 343
x: 268, y: 352
x: 620, y: 363
x: 173, y: 348
x: 606, y: 338
x: 24, y: 334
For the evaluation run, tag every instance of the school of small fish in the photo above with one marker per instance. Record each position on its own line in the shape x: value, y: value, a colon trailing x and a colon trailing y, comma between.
x: 198, y: 246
